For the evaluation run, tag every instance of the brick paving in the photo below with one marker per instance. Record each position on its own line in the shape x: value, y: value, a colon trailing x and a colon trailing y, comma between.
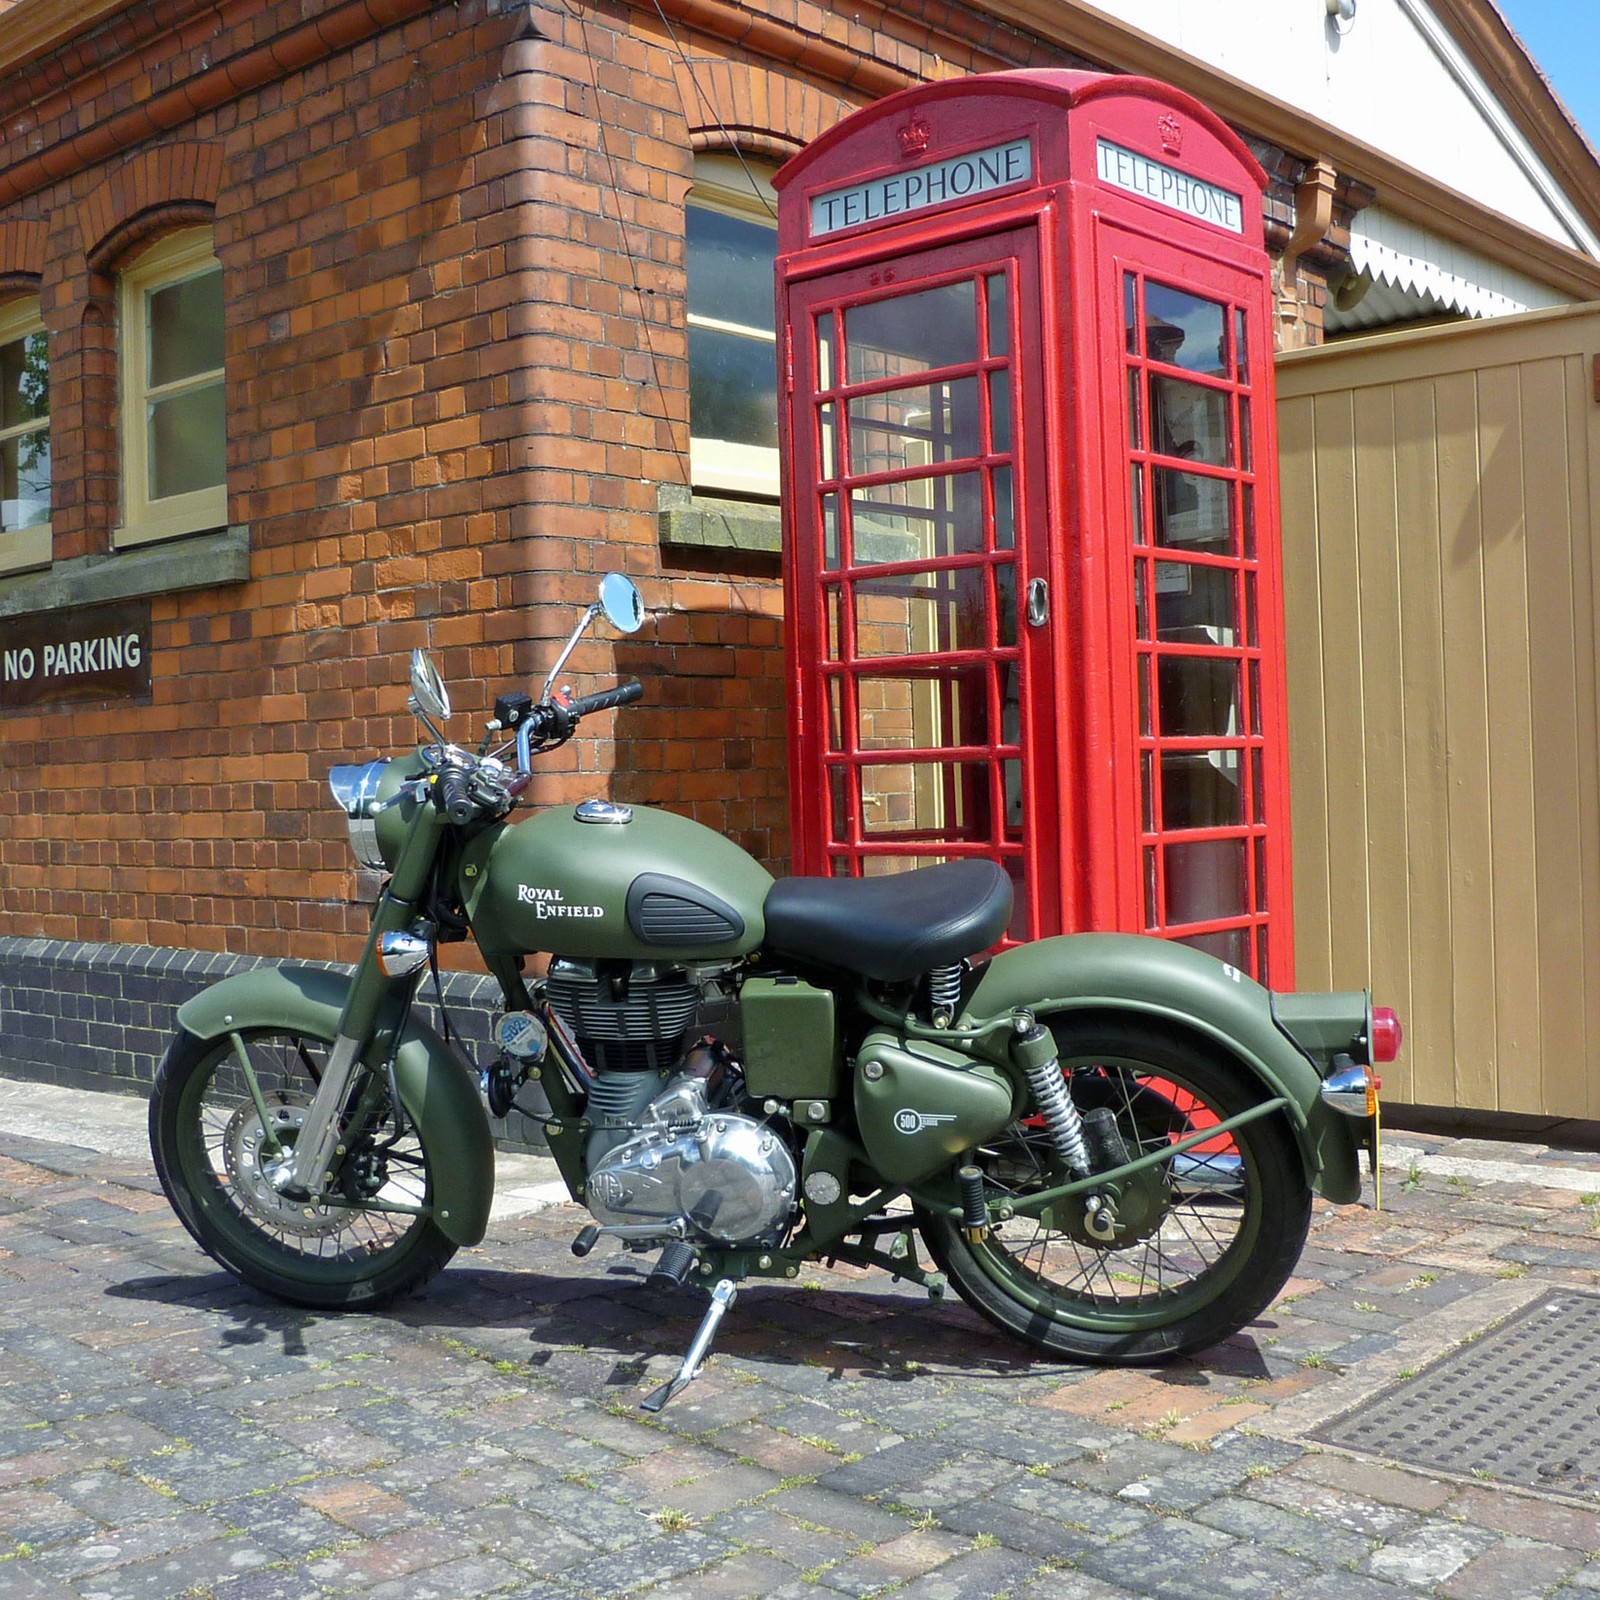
x: 164, y: 1432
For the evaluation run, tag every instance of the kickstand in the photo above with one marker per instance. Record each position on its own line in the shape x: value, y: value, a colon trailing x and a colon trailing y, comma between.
x: 722, y: 1297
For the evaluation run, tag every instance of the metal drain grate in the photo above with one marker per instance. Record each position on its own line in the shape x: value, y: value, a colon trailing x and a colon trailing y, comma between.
x: 1521, y: 1405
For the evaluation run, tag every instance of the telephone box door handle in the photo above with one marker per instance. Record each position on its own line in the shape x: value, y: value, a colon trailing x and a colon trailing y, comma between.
x: 1038, y: 603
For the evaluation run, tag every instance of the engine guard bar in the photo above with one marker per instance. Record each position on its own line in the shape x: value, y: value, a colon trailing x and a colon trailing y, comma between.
x: 1033, y: 1204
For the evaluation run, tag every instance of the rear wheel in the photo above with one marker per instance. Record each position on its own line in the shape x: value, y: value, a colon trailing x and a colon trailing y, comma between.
x: 1199, y: 1246
x: 216, y: 1138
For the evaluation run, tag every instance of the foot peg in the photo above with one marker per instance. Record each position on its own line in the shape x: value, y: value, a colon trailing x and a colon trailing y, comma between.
x: 586, y: 1241
x: 974, y: 1208
x: 673, y: 1269
x: 722, y: 1297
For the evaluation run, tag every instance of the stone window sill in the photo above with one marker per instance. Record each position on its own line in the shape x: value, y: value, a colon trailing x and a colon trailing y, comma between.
x: 200, y: 561
x: 705, y: 522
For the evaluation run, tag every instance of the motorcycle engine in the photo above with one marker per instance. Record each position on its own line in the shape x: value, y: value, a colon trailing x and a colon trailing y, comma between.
x: 726, y: 1177
x: 672, y: 1152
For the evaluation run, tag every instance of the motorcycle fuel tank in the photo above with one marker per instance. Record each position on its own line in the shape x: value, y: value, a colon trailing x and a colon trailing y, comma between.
x: 604, y: 880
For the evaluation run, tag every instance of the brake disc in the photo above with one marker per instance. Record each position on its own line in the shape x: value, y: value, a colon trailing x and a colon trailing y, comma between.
x: 251, y: 1171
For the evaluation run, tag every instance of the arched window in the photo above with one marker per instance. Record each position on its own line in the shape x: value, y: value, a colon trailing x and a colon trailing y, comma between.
x: 733, y: 383
x: 173, y: 412
x: 24, y: 437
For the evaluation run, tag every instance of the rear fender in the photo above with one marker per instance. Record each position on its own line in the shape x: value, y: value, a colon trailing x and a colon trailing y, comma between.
x: 1189, y: 991
x: 437, y: 1091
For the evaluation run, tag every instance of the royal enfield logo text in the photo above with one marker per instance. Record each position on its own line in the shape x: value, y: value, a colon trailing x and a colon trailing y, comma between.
x: 548, y: 903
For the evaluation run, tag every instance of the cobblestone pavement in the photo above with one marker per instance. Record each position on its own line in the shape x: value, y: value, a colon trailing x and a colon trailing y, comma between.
x: 164, y: 1432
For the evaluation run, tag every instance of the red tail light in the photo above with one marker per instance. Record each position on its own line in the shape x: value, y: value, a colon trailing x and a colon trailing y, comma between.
x: 1386, y: 1037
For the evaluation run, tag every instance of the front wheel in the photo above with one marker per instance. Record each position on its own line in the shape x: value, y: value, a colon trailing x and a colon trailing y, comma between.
x: 218, y: 1125
x: 1201, y: 1244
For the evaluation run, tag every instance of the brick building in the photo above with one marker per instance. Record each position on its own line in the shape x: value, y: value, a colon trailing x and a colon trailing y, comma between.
x: 331, y: 328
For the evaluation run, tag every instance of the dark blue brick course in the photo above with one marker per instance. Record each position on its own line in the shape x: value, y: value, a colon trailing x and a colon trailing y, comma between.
x: 98, y: 1016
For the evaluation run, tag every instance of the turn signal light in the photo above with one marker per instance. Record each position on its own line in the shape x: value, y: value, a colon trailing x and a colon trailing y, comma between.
x: 1352, y: 1090
x: 1383, y: 1043
x: 400, y: 954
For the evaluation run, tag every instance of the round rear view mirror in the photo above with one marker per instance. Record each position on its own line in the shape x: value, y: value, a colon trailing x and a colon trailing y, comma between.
x: 620, y: 600
x: 428, y: 687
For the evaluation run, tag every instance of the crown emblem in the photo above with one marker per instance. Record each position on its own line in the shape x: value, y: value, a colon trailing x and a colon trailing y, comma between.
x: 1171, y: 131
x: 914, y: 137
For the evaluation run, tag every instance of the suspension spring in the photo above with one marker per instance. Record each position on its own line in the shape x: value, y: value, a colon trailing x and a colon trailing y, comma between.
x: 1061, y: 1118
x: 944, y: 994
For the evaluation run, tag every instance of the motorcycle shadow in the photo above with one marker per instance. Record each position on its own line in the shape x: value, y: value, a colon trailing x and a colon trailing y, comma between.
x: 608, y: 1329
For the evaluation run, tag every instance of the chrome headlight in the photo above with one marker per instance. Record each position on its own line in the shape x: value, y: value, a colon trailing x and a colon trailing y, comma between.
x: 356, y: 791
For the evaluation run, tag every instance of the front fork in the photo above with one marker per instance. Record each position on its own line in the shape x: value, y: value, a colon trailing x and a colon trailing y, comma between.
x: 393, y: 954
x: 306, y: 1169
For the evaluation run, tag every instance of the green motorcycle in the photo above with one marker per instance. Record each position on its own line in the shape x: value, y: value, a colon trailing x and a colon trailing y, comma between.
x: 1107, y: 1143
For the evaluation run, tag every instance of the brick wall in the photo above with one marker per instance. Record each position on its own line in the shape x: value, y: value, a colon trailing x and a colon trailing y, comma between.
x: 452, y: 243
x: 452, y: 238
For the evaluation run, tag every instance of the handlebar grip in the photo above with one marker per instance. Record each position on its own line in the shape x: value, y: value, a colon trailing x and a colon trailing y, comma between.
x: 455, y: 796
x: 623, y: 694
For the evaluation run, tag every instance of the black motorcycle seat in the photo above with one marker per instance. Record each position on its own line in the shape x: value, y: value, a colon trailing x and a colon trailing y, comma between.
x: 892, y: 928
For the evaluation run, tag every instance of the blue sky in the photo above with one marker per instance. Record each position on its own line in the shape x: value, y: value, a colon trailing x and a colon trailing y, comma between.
x: 1563, y: 36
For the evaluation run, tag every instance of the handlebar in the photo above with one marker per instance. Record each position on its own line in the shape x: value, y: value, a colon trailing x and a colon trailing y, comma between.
x: 456, y: 799
x: 624, y: 694
x: 465, y: 787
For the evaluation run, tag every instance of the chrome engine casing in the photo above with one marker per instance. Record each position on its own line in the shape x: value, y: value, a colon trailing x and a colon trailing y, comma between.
x: 700, y: 1174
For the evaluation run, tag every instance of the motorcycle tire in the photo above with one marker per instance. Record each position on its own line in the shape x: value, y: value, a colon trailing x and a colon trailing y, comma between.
x: 212, y: 1153
x: 1207, y: 1244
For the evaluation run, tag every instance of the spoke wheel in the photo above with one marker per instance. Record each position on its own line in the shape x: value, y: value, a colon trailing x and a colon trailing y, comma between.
x: 217, y: 1154
x: 1192, y: 1249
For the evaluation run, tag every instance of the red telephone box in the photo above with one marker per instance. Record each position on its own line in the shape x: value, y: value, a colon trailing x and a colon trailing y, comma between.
x: 1031, y: 554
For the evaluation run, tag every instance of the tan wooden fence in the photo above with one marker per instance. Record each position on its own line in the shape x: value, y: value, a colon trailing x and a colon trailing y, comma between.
x: 1441, y: 524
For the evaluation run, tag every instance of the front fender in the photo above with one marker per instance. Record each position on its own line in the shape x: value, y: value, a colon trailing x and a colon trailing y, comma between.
x: 1183, y: 989
x: 437, y: 1091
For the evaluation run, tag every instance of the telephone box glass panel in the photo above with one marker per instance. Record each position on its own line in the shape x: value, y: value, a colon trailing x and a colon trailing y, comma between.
x: 1198, y: 667
x: 915, y: 478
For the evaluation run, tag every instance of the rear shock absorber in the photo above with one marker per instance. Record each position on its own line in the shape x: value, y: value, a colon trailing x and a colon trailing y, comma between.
x: 944, y: 994
x: 1035, y: 1053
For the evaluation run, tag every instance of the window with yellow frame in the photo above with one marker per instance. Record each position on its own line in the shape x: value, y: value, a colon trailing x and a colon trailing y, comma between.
x: 173, y: 413
x: 24, y: 438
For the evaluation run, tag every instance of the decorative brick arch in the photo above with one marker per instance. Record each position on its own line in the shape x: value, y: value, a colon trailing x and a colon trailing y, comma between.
x: 177, y: 182
x: 762, y: 111
x: 22, y: 250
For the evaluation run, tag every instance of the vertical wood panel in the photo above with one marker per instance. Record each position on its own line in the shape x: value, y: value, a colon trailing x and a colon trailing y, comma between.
x: 1557, y: 616
x: 1341, y: 675
x: 1466, y: 741
x: 1430, y: 1022
x: 1379, y: 640
x: 1503, y: 524
x: 1308, y: 740
x: 1584, y: 497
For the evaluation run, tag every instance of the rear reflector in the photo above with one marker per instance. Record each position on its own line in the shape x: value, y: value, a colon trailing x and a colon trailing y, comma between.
x: 1387, y: 1036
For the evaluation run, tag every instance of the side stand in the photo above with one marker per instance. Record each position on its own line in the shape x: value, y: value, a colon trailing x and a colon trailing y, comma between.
x: 722, y: 1296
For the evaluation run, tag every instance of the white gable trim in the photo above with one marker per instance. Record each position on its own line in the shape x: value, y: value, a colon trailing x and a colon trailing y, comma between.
x: 1494, y: 115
